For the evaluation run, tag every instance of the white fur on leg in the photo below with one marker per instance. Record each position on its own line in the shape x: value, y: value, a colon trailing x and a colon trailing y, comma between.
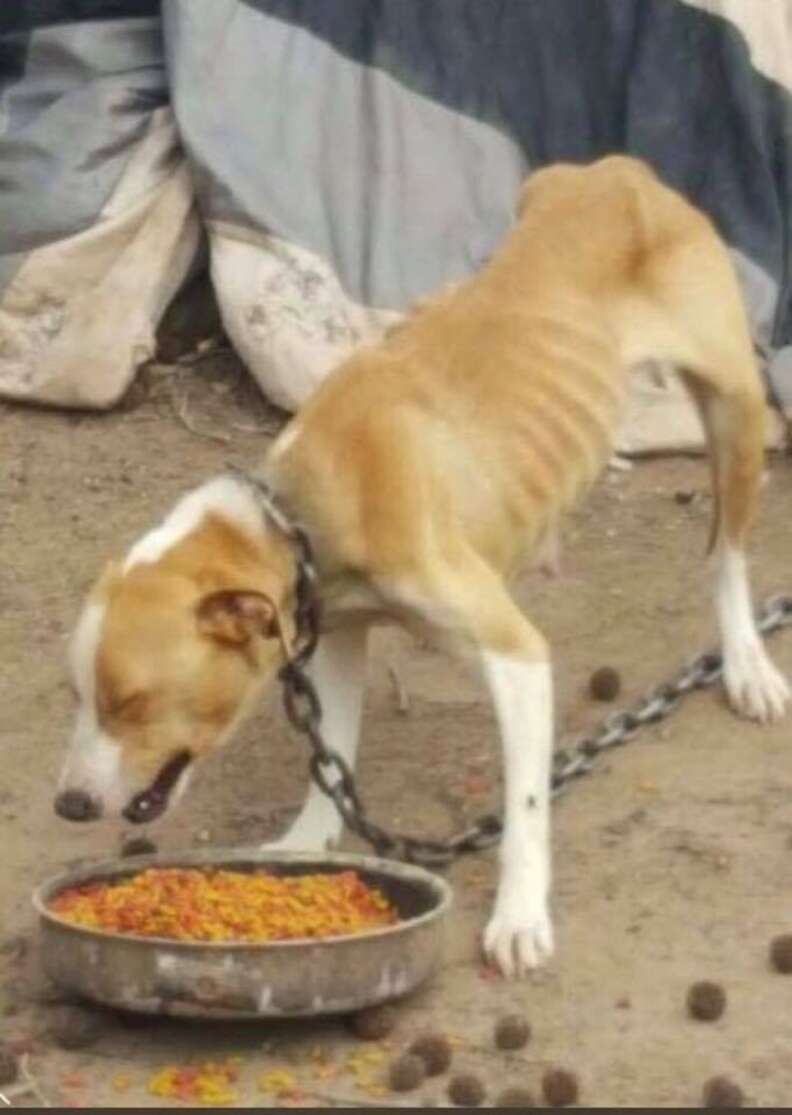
x: 753, y: 684
x: 520, y: 935
x: 338, y: 671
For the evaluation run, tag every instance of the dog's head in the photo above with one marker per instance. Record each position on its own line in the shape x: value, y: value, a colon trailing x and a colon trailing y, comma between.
x: 170, y: 651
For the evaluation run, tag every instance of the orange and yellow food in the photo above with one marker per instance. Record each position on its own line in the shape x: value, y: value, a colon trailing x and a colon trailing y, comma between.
x: 210, y: 1083
x: 190, y: 904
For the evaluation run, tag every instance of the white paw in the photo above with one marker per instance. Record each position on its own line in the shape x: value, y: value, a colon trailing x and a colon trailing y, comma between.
x: 519, y: 936
x: 754, y: 686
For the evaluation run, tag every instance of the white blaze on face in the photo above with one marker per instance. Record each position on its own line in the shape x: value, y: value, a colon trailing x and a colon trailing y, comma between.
x: 93, y: 764
x: 224, y: 495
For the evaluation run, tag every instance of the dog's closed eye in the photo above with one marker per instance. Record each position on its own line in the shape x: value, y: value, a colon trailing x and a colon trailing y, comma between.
x: 127, y: 706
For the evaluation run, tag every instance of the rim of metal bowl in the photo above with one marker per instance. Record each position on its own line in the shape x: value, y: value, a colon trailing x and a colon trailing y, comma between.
x: 50, y: 888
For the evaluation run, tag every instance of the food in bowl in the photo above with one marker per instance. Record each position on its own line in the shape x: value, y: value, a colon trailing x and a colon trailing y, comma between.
x: 195, y: 904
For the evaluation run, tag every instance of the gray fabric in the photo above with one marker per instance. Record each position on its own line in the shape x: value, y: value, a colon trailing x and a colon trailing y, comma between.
x: 400, y: 193
x: 97, y: 218
x: 779, y: 371
x: 575, y: 80
x: 389, y: 137
x: 385, y: 138
x: 70, y: 122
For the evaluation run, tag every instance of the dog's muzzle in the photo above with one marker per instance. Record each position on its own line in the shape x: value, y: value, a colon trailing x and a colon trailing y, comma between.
x: 152, y: 803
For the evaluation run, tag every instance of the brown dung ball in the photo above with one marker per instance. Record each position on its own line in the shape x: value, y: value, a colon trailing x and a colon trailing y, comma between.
x: 373, y: 1024
x: 466, y: 1090
x: 406, y: 1072
x: 75, y: 1027
x: 435, y: 1052
x: 516, y: 1097
x: 512, y: 1032
x: 781, y: 953
x: 138, y: 846
x: 560, y: 1088
x: 720, y: 1092
x: 9, y: 1069
x: 706, y: 1000
x: 605, y: 684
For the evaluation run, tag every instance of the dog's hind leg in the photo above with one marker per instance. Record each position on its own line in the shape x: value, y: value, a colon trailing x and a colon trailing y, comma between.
x: 338, y: 671
x: 690, y: 313
x: 733, y: 416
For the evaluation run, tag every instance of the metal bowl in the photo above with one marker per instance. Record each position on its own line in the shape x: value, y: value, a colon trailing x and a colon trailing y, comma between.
x: 279, y: 979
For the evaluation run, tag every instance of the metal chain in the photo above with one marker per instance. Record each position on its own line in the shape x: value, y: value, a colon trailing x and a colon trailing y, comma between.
x: 332, y: 774
x: 700, y: 673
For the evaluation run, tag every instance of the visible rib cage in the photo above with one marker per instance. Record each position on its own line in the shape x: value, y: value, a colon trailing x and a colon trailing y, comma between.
x: 566, y: 404
x: 524, y: 405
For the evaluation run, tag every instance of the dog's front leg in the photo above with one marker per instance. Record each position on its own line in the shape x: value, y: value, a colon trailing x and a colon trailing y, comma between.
x: 465, y: 596
x: 519, y: 935
x: 338, y: 671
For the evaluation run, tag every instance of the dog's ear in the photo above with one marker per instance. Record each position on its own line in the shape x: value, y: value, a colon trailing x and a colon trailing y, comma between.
x: 235, y: 616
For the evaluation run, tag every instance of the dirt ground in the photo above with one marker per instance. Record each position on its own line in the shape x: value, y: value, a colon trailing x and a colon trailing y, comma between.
x: 672, y: 860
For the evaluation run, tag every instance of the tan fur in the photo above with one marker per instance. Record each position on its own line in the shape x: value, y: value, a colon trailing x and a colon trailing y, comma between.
x: 174, y: 667
x: 448, y: 452
x: 430, y: 468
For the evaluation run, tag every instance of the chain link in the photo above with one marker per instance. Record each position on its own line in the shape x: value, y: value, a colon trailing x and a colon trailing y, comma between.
x: 332, y: 774
x: 700, y: 673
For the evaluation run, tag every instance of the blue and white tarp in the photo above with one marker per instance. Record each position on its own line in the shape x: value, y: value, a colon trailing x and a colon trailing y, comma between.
x: 347, y: 157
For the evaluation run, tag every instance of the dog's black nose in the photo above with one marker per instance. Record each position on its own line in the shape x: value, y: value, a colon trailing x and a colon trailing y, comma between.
x: 76, y: 805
